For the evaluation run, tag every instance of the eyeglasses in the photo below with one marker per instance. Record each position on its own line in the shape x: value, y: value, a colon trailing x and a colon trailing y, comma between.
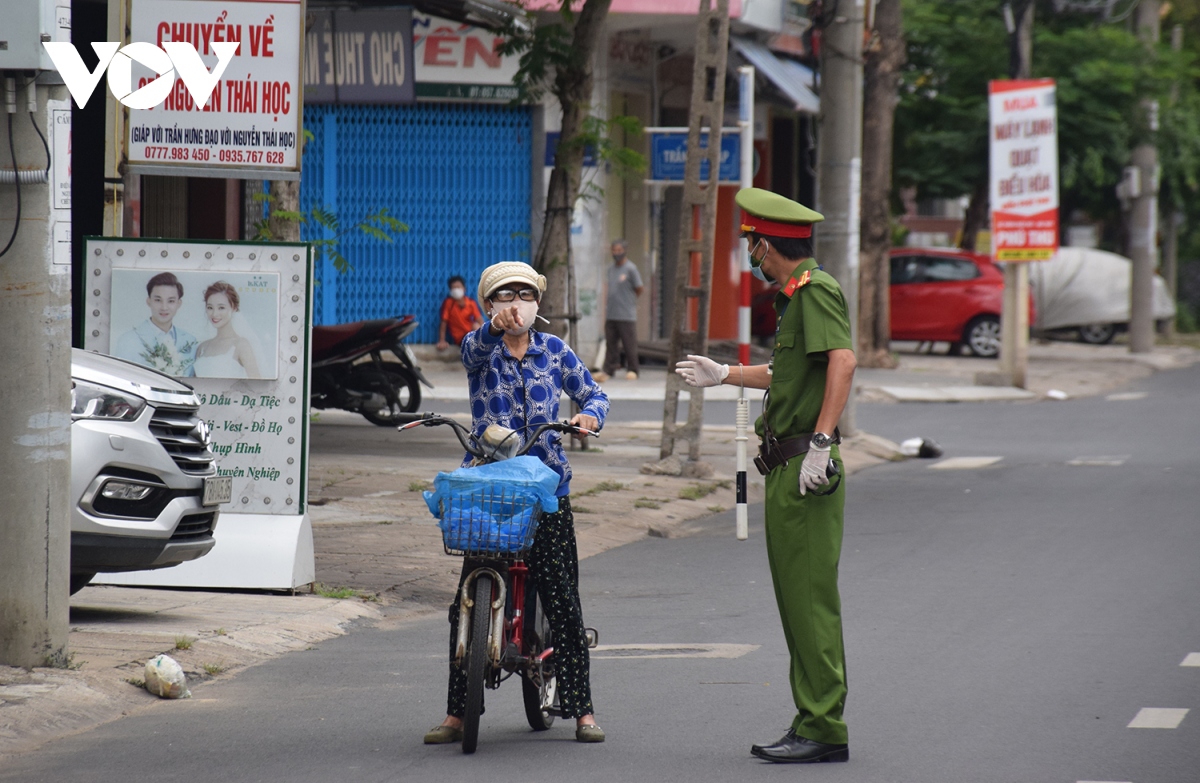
x: 508, y: 295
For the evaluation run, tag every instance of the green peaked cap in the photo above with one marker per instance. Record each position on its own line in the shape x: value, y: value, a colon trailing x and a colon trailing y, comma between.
x: 772, y: 206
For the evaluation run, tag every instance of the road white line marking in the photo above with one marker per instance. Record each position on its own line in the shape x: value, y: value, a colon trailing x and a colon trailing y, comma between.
x: 1191, y: 659
x: 681, y: 650
x: 1157, y: 718
x: 1124, y: 396
x: 1115, y: 460
x: 965, y: 463
x: 381, y: 494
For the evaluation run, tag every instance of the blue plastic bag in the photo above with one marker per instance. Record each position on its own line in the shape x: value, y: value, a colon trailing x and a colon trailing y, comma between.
x: 525, y: 476
x: 491, y: 508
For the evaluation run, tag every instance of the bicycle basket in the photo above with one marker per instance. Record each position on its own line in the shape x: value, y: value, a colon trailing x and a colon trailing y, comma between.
x: 489, y: 520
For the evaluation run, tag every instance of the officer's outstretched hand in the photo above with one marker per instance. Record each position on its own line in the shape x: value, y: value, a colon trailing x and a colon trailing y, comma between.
x: 812, y: 470
x: 701, y: 371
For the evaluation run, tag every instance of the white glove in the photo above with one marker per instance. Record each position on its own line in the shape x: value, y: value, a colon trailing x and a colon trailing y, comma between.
x: 812, y: 470
x: 701, y: 371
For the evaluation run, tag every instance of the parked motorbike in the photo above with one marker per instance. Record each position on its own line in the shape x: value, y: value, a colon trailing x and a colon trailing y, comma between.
x: 380, y: 391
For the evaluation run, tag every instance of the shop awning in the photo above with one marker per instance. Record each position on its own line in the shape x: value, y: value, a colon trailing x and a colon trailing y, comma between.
x: 790, y: 77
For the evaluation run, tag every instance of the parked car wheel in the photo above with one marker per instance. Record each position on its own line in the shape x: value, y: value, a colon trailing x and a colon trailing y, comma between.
x: 1097, y: 334
x: 982, y: 336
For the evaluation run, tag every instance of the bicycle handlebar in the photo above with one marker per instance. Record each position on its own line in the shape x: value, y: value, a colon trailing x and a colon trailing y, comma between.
x: 471, y: 444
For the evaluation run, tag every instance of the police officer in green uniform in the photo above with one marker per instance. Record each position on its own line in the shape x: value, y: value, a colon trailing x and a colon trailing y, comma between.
x: 808, y: 382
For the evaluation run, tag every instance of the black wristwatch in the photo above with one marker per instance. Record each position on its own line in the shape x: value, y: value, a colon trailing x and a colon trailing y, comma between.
x: 820, y: 440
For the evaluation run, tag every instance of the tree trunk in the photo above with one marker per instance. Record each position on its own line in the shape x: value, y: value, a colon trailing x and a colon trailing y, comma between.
x: 882, y: 78
x: 573, y: 89
x: 976, y: 215
x: 286, y: 198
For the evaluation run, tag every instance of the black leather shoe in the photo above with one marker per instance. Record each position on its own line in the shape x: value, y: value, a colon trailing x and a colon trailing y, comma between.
x: 786, y: 738
x: 793, y: 749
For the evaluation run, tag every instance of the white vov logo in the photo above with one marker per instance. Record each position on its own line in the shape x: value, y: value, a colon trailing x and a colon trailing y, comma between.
x: 179, y: 57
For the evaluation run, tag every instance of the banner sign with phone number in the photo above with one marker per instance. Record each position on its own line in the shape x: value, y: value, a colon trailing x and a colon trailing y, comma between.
x: 250, y: 126
x: 1023, y: 142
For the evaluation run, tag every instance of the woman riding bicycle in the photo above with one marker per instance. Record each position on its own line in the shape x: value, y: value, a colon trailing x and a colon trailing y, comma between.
x: 516, y: 376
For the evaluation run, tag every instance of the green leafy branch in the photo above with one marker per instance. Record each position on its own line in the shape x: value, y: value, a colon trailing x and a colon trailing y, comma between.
x: 379, y: 225
x: 547, y: 61
x: 544, y: 51
x: 624, y: 161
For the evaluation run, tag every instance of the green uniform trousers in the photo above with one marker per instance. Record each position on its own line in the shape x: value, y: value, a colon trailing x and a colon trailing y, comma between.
x: 804, y: 544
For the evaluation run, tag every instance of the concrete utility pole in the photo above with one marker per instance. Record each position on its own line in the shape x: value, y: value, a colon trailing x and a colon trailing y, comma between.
x: 1143, y: 215
x: 839, y: 158
x: 1014, y: 308
x: 1174, y: 220
x: 35, y: 385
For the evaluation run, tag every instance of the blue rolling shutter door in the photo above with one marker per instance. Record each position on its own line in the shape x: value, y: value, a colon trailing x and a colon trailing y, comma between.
x: 457, y: 174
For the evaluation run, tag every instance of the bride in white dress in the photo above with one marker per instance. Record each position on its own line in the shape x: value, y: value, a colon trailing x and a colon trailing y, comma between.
x: 228, y: 355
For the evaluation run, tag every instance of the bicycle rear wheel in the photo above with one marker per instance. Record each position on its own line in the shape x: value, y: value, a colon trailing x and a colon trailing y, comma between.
x: 539, y: 687
x: 477, y: 660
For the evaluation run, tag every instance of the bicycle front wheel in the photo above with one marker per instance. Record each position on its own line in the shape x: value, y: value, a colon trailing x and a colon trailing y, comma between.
x: 477, y: 660
x: 539, y: 686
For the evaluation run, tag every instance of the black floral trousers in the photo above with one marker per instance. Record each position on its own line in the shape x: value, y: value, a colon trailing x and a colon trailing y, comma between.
x: 554, y: 566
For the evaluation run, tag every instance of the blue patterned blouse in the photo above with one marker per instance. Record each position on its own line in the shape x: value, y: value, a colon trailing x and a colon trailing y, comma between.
x: 515, y: 393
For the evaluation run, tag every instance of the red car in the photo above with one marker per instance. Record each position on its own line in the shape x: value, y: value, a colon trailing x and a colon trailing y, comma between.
x: 937, y: 295
x: 945, y: 295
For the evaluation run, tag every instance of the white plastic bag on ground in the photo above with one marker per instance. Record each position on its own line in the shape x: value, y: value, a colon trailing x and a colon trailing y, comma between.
x: 165, y: 678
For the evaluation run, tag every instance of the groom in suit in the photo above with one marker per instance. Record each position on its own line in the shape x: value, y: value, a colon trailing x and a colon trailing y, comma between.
x: 156, y: 342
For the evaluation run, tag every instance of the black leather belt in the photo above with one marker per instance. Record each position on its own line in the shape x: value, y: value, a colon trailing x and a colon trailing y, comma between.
x: 780, y: 451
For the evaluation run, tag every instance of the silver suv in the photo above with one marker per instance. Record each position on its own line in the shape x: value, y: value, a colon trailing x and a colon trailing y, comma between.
x: 143, y: 479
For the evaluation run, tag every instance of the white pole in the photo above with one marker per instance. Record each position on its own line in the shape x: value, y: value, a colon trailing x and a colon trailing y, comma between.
x: 743, y: 422
x: 746, y: 129
x: 746, y: 126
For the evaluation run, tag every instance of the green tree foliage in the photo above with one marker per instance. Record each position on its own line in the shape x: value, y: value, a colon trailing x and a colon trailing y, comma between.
x: 941, y: 120
x: 378, y: 225
x: 1102, y: 72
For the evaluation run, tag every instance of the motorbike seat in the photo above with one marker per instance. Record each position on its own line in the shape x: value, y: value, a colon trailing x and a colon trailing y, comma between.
x: 326, y: 338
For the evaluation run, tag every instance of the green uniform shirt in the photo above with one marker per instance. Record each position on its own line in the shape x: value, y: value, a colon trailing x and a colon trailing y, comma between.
x: 812, y: 319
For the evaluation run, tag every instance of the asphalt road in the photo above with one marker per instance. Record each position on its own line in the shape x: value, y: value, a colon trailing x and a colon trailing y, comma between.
x: 1003, y: 623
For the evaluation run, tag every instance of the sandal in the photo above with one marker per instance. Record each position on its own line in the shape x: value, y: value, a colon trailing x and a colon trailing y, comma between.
x: 442, y: 735
x: 589, y: 732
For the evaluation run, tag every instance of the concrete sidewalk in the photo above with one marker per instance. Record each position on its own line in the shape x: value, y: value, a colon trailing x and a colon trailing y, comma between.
x: 374, y: 536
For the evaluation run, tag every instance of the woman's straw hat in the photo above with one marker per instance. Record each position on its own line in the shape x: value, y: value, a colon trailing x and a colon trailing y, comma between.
x: 497, y: 275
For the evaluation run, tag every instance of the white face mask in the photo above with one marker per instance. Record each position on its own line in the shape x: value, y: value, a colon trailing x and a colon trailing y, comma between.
x: 456, y: 293
x: 528, y: 312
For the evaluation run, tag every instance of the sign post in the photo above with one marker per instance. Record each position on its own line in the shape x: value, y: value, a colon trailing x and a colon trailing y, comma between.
x: 668, y: 155
x: 1023, y: 146
x: 255, y: 399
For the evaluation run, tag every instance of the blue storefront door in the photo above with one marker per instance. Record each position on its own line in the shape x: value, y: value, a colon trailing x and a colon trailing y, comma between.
x: 457, y: 174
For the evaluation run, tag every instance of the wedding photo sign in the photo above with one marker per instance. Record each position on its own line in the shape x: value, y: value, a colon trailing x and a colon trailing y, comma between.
x: 235, y: 314
x: 232, y: 320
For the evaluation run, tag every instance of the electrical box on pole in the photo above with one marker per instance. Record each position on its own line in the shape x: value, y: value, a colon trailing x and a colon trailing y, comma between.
x: 27, y: 25
x: 693, y: 274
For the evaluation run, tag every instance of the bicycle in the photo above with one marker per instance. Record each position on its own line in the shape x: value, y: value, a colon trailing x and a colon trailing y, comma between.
x: 493, y: 529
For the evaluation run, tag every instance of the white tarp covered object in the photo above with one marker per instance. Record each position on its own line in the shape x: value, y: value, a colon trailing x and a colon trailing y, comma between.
x: 1082, y: 286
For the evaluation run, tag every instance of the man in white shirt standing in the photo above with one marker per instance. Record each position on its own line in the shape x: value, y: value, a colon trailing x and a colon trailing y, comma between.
x: 620, y: 324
